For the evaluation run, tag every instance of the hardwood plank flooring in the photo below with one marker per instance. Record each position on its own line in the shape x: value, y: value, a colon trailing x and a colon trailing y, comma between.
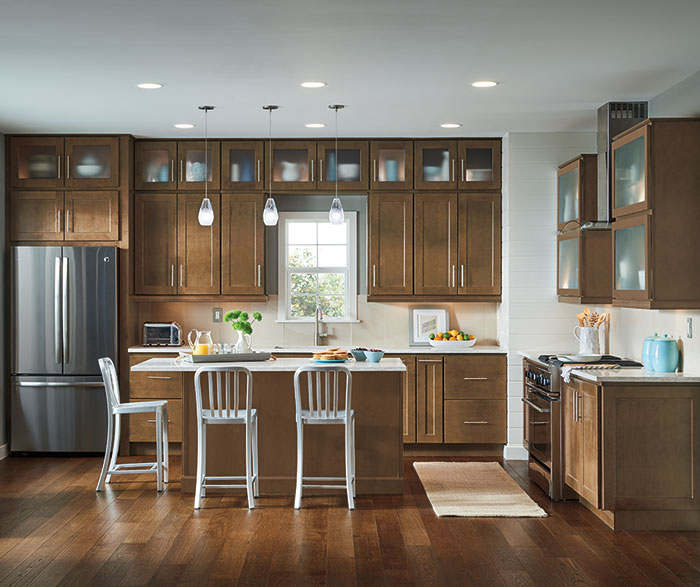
x: 55, y: 530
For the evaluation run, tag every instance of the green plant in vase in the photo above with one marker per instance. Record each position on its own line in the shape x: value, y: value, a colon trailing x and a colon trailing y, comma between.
x: 241, y: 322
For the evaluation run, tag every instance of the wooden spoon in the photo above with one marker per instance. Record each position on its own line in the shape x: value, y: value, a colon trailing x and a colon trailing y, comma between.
x: 602, y: 318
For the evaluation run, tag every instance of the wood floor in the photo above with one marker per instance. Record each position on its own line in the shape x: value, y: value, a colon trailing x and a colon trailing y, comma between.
x: 55, y: 530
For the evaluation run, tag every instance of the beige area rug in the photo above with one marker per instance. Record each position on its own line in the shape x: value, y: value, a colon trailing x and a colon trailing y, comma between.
x: 475, y: 490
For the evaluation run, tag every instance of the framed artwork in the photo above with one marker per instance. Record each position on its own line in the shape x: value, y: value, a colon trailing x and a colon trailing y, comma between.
x: 425, y: 321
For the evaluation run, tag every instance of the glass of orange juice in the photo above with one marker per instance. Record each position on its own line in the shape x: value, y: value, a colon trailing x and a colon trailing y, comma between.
x: 202, y: 343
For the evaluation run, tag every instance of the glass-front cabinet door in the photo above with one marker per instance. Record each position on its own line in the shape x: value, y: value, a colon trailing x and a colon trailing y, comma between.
x: 92, y: 162
x: 631, y: 246
x: 348, y: 165
x: 391, y: 165
x: 435, y: 164
x: 241, y: 165
x: 195, y: 165
x: 569, y: 264
x: 568, y: 196
x: 293, y: 165
x: 155, y: 165
x: 36, y: 162
x: 480, y: 164
x: 630, y: 182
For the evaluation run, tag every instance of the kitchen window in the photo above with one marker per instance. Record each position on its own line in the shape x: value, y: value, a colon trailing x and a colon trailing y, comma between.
x: 317, y: 267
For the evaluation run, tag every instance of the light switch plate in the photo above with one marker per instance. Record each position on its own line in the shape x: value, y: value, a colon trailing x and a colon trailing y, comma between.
x: 217, y: 315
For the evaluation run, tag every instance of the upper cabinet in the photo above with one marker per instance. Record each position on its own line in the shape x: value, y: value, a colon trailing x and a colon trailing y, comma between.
x: 655, y: 186
x: 479, y: 240
x: 479, y: 164
x: 293, y: 166
x: 57, y: 162
x: 577, y: 192
x: 391, y: 165
x: 435, y: 164
x: 177, y: 165
x: 242, y: 165
x: 347, y: 165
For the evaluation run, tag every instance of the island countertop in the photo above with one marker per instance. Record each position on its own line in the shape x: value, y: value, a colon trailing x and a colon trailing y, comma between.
x: 296, y: 350
x: 168, y: 364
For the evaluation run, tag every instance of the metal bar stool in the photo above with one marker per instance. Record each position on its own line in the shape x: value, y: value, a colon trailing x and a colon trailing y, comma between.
x: 322, y: 386
x: 223, y: 408
x: 114, y: 411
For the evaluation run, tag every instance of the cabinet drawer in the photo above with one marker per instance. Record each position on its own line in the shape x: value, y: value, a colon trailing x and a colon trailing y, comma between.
x: 142, y: 427
x: 475, y: 377
x: 147, y: 385
x: 482, y: 421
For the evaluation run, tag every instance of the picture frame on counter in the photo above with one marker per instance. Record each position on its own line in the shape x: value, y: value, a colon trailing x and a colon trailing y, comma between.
x: 424, y: 321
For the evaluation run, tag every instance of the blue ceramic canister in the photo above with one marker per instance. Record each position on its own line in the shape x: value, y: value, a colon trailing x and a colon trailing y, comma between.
x: 391, y: 169
x: 647, y: 351
x: 665, y: 355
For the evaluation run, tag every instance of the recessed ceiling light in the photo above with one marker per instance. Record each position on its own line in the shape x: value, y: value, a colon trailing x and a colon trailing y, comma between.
x: 150, y: 86
x: 450, y: 125
x: 183, y: 125
x: 315, y: 125
x: 484, y: 84
x: 313, y: 84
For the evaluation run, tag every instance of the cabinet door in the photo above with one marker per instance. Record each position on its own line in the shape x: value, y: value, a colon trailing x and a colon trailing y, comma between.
x: 195, y: 164
x: 142, y: 427
x: 590, y: 453
x: 155, y: 244
x: 480, y: 244
x: 475, y: 377
x: 409, y: 398
x: 155, y: 165
x: 92, y: 216
x: 392, y: 165
x: 480, y: 164
x: 198, y: 247
x: 243, y: 245
x: 429, y: 400
x: 36, y: 162
x: 572, y: 438
x: 391, y: 244
x: 349, y: 165
x: 569, y: 264
x: 241, y: 165
x: 293, y: 165
x: 36, y: 216
x: 435, y: 243
x: 481, y: 421
x: 92, y: 162
x: 630, y: 168
x: 435, y: 165
x: 569, y: 195
x: 631, y: 255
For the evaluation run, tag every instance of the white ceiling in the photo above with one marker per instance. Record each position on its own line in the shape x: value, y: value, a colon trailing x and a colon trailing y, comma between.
x: 401, y: 66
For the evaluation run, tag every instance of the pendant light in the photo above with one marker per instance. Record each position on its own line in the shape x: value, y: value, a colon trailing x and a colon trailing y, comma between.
x: 206, y: 211
x: 270, y: 215
x: 336, y: 214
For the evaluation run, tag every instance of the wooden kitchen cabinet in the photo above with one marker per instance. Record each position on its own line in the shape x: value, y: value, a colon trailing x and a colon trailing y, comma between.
x: 479, y: 242
x: 36, y: 162
x: 409, y: 398
x: 242, y: 165
x: 92, y: 216
x: 577, y: 192
x: 294, y: 166
x: 36, y: 216
x: 479, y: 164
x: 92, y: 162
x: 390, y: 244
x: 349, y: 164
x: 435, y: 165
x: 584, y: 268
x: 176, y: 165
x: 435, y: 243
x: 242, y: 244
x: 391, y: 165
x: 475, y: 377
x: 429, y: 400
x: 198, y: 247
x: 475, y: 421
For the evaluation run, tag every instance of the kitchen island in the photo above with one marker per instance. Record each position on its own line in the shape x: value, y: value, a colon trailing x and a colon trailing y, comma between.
x: 377, y: 402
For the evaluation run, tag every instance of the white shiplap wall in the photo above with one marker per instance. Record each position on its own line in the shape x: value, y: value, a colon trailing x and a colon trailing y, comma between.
x: 530, y: 317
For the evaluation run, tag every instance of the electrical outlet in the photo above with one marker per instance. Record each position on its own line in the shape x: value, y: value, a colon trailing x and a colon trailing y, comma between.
x: 689, y: 333
x: 217, y: 315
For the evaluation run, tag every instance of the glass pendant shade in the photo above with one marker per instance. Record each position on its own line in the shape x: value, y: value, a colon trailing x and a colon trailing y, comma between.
x: 336, y: 214
x: 206, y: 213
x: 270, y: 215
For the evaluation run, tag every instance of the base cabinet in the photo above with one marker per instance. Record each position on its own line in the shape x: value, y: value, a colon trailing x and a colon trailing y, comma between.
x: 429, y: 377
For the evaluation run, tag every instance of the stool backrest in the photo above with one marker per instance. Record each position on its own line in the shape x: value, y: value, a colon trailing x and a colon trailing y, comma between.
x: 109, y: 376
x: 225, y: 392
x: 322, y: 386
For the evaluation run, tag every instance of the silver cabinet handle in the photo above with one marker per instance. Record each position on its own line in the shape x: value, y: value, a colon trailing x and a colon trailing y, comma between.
x: 534, y: 406
x: 312, y: 170
x: 453, y: 169
x: 462, y: 175
x: 374, y: 276
x: 375, y: 170
x: 172, y: 275
x: 430, y: 360
x: 258, y: 170
x: 57, y: 305
x: 476, y: 422
x: 476, y: 378
x: 259, y: 277
x: 58, y: 166
x: 64, y: 309
x: 461, y: 276
x: 58, y: 218
x: 181, y: 161
x: 320, y: 170
x: 578, y: 406
x: 158, y: 377
x: 68, y: 228
x: 172, y: 171
x: 575, y: 405
x: 454, y: 267
x: 67, y: 166
x: 180, y: 274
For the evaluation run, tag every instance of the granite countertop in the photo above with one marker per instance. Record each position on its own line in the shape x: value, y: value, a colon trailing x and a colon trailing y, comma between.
x: 168, y: 364
x: 632, y: 375
x: 476, y: 349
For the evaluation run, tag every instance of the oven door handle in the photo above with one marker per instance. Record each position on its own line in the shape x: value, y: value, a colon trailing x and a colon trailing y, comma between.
x: 534, y: 406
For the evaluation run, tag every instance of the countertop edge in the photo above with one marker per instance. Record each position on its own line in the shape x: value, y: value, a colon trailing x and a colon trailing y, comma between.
x: 476, y: 350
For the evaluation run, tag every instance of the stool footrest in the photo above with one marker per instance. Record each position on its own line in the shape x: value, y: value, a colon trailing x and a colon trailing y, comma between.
x: 129, y: 465
x: 215, y: 486
x: 323, y: 479
x: 324, y: 486
x: 228, y: 478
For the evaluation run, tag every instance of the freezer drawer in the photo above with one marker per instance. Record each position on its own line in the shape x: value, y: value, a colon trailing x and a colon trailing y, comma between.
x: 58, y: 415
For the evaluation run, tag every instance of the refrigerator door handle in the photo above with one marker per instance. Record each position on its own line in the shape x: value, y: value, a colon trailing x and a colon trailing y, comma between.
x: 57, y: 308
x: 64, y: 313
x: 58, y: 384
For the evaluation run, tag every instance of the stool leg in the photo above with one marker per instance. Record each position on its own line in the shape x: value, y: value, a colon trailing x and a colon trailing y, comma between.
x: 159, y: 449
x: 108, y: 448
x: 166, y: 467
x: 204, y: 457
x: 352, y: 455
x: 300, y: 462
x: 115, y: 444
x: 348, y: 465
x: 201, y: 450
x: 249, y: 465
x: 256, y: 485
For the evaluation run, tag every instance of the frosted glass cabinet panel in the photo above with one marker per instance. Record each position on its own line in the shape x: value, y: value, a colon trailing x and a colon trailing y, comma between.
x: 36, y: 161
x: 349, y: 164
x: 568, y: 189
x: 241, y: 165
x: 92, y: 162
x: 197, y: 165
x: 630, y: 257
x: 155, y: 165
x: 293, y: 165
x: 479, y: 164
x: 630, y: 173
x: 435, y: 164
x: 569, y: 256
x: 391, y: 165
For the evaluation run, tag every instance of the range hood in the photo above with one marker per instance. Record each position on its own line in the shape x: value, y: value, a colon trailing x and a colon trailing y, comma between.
x: 613, y: 118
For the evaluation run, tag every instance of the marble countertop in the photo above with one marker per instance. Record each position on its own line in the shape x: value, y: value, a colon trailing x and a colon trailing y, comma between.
x: 476, y: 349
x: 632, y: 375
x: 168, y: 364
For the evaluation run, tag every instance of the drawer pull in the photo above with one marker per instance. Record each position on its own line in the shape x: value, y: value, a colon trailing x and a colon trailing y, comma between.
x: 429, y: 361
x: 153, y: 421
x: 158, y: 377
x: 476, y: 378
x: 476, y: 422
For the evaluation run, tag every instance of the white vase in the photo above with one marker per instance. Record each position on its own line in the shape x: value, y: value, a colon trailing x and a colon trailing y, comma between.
x: 290, y: 171
x: 243, y: 345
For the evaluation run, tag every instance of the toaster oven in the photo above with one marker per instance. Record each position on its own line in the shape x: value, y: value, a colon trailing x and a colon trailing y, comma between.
x: 162, y: 334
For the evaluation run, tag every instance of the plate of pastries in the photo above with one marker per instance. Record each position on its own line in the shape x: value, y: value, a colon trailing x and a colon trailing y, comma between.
x: 334, y: 355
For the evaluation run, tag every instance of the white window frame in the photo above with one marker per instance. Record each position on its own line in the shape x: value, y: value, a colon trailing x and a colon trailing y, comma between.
x: 283, y: 309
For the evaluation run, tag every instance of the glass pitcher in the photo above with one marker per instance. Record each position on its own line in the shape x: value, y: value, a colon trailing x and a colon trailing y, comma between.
x: 202, y: 344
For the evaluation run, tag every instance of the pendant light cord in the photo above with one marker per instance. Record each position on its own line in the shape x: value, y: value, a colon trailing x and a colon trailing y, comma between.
x: 206, y: 154
x: 336, y: 151
x: 269, y: 134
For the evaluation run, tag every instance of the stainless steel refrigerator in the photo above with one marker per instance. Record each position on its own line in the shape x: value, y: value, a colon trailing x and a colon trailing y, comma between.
x: 63, y: 319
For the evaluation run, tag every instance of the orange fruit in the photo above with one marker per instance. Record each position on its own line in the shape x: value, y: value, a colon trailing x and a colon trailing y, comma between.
x: 460, y: 337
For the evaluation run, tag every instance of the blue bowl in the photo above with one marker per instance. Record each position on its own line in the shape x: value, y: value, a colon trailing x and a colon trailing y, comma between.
x: 374, y: 357
x: 359, y: 355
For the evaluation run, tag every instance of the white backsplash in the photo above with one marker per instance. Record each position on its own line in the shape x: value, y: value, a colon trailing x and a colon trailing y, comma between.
x: 382, y: 325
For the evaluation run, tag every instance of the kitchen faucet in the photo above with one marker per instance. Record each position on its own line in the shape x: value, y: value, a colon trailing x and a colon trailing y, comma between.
x: 318, y: 335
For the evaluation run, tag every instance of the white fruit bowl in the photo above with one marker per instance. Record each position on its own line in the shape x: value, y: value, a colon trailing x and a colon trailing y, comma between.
x: 452, y: 344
